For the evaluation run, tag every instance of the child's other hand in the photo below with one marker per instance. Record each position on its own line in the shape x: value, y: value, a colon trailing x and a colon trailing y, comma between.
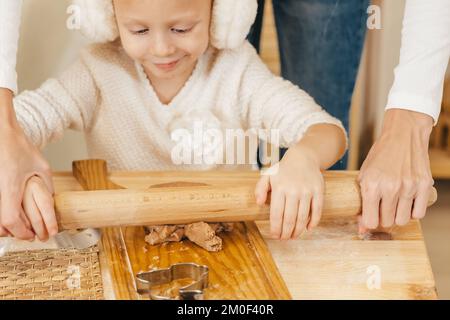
x: 38, y: 206
x: 297, y: 195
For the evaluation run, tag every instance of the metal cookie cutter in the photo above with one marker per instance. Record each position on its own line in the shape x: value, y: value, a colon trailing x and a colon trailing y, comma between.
x: 194, y: 291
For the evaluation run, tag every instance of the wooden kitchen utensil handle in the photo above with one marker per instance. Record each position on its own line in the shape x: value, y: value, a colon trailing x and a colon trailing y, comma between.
x: 93, y: 175
x: 180, y: 204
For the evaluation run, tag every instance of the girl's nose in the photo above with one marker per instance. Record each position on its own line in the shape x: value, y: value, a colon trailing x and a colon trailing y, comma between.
x: 162, y: 46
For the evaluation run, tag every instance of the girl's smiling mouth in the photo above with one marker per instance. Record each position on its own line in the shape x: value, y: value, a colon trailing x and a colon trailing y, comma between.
x: 168, y: 66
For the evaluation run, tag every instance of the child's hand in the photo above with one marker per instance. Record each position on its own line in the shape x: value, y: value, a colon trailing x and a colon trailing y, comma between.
x: 38, y: 206
x: 297, y: 187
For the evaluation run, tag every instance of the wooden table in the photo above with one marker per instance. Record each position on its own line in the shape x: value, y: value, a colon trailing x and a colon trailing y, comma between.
x: 332, y: 262
x: 440, y: 163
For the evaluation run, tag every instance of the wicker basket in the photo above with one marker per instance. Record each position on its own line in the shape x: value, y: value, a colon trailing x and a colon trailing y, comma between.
x: 51, y: 274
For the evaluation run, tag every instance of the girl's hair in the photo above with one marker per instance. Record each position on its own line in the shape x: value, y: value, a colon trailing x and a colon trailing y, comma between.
x: 230, y: 23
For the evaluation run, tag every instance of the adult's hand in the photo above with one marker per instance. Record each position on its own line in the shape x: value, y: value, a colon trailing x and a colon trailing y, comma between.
x: 395, y: 178
x: 19, y: 161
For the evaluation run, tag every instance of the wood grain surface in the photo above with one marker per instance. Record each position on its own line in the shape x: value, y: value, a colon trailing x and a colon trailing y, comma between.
x: 179, y: 202
x: 244, y: 269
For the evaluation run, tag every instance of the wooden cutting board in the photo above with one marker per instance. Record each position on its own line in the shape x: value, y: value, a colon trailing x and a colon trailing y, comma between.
x: 333, y: 262
x: 244, y: 269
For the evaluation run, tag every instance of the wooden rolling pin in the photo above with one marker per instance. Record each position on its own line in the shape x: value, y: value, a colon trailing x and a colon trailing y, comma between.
x: 185, y: 202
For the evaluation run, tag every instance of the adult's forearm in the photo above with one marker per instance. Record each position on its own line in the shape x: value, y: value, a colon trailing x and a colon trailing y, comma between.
x: 398, y: 121
x: 7, y: 114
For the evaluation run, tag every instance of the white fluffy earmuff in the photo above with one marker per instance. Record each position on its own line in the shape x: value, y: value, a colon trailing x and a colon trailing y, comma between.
x: 230, y: 23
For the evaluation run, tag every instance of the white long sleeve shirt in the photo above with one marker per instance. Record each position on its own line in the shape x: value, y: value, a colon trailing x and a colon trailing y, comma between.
x: 424, y: 56
x: 108, y: 96
x: 10, y: 12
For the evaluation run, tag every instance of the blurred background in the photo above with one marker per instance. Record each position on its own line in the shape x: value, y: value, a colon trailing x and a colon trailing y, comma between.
x: 47, y: 47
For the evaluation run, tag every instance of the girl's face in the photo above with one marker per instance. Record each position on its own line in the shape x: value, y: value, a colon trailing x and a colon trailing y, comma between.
x: 166, y: 36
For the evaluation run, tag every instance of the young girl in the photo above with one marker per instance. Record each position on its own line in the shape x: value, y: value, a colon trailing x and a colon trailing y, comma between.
x: 163, y: 65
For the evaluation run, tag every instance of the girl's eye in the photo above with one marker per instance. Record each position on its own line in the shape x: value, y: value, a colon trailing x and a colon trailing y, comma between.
x: 140, y: 32
x: 181, y: 31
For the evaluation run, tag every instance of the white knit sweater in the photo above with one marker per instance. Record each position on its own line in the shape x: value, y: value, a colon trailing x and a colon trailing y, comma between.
x: 107, y: 95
